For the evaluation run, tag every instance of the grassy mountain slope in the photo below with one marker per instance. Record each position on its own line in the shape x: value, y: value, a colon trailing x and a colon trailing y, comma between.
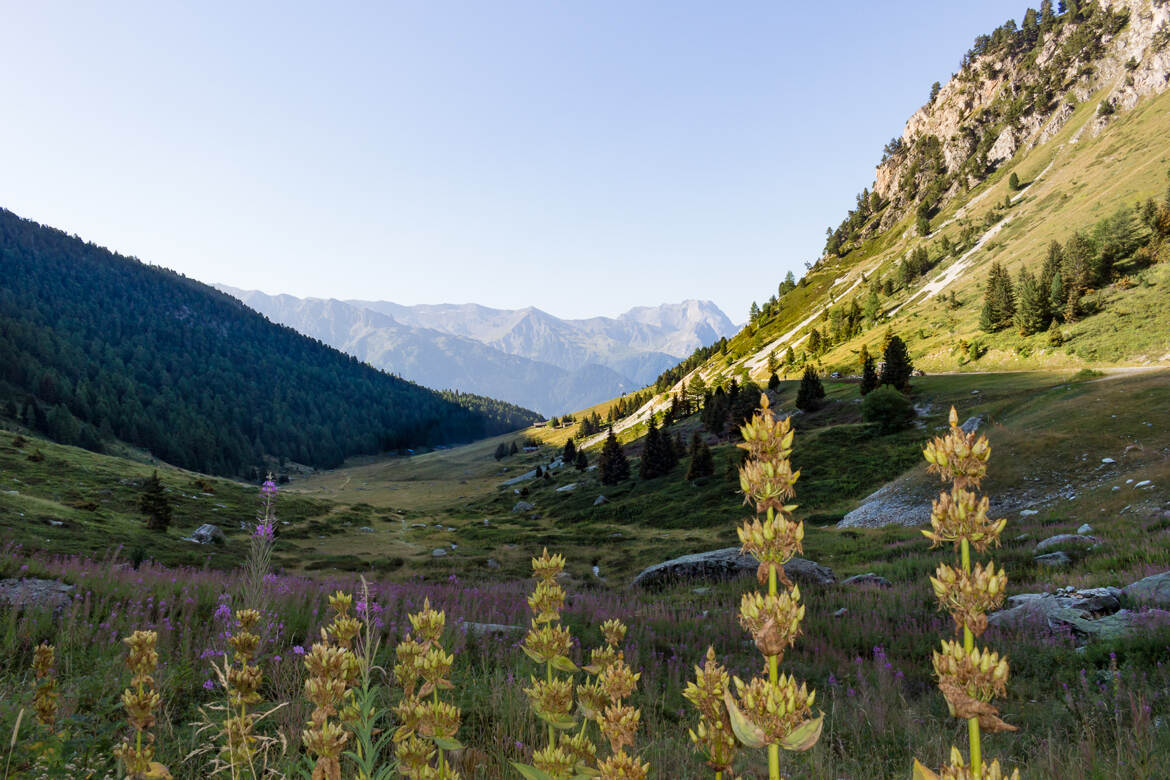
x: 1080, y: 164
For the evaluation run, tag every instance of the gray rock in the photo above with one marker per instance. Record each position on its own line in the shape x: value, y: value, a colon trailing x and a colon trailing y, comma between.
x: 1151, y: 591
x: 365, y: 529
x: 842, y: 612
x: 492, y: 563
x: 727, y: 563
x: 1058, y: 611
x: 522, y: 478
x: 703, y: 591
x: 1108, y: 460
x: 1029, y: 513
x: 869, y: 579
x: 600, y: 500
x: 973, y: 424
x: 569, y: 488
x: 206, y: 534
x: 1054, y: 560
x: 438, y: 552
x: 1067, y: 540
x: 483, y: 629
x: 1085, y: 529
x: 33, y: 592
x: 522, y: 506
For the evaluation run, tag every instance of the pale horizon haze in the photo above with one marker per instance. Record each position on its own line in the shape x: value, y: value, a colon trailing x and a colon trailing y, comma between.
x: 583, y: 158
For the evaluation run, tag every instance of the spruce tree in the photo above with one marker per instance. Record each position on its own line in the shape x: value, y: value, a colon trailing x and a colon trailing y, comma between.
x: 569, y: 453
x: 612, y: 464
x: 773, y: 381
x: 869, y: 377
x: 1057, y: 296
x: 1031, y: 308
x: 811, y: 391
x: 702, y: 464
x: 501, y: 451
x: 655, y: 455
x: 513, y: 449
x: 999, y: 304
x: 154, y: 504
x: 582, y: 461
x: 897, y: 368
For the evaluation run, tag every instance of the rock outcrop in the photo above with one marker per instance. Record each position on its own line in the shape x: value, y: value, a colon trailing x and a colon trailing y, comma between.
x: 725, y: 564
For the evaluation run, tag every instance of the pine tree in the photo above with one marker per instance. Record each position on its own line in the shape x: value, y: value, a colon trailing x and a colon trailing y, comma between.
x: 612, y: 465
x: 773, y: 381
x: 702, y: 464
x: 896, y: 368
x: 582, y: 461
x: 999, y: 304
x: 569, y: 453
x: 513, y: 449
x: 1057, y: 296
x: 1014, y: 181
x: 869, y: 377
x: 811, y: 391
x: 501, y: 451
x: 789, y: 357
x: 1031, y: 308
x: 154, y: 504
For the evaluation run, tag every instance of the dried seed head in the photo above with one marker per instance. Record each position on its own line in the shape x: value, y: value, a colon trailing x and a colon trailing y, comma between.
x: 548, y: 641
x: 614, y: 631
x: 773, y: 620
x: 546, y: 601
x: 958, y: 457
x: 619, y: 723
x: 980, y: 674
x: 619, y: 681
x: 552, y: 699
x: 554, y: 761
x: 960, y: 515
x: 775, y: 710
x: 969, y: 595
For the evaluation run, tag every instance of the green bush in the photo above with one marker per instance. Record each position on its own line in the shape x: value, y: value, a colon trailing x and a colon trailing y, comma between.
x: 889, y: 408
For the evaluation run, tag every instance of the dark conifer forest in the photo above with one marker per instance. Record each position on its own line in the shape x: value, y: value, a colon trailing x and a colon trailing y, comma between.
x: 96, y: 346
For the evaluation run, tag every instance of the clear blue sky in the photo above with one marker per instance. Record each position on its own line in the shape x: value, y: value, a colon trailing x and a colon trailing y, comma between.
x: 583, y: 157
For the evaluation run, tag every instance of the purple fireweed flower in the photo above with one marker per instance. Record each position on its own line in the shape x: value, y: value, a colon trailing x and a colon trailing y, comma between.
x: 297, y: 649
x: 264, y: 531
x: 268, y: 488
x: 209, y: 685
x: 223, y: 611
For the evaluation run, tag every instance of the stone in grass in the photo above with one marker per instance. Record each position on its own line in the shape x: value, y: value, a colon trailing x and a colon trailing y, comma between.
x: 1054, y: 560
x: 206, y: 534
x: 438, y: 552
x: 1067, y: 540
x: 600, y: 500
x: 523, y: 506
x: 32, y: 591
x: 1153, y: 590
x: 569, y: 488
x: 724, y: 564
x: 1085, y: 529
x: 869, y: 579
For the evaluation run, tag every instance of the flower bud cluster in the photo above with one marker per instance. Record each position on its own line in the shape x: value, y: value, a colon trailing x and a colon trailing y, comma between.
x: 140, y: 701
x: 981, y: 674
x: 969, y: 677
x: 958, y: 457
x: 968, y: 596
x: 333, y: 669
x: 775, y: 709
x: 961, y: 515
x: 427, y: 723
x: 773, y: 620
x: 959, y: 770
x: 713, y: 734
x: 45, y: 699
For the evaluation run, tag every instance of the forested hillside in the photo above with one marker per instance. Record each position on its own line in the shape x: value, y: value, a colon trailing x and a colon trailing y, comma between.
x: 96, y: 346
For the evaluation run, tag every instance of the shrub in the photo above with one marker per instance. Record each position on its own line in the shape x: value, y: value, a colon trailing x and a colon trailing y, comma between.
x: 888, y: 408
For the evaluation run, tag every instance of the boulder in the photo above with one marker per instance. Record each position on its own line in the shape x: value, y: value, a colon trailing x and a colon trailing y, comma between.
x: 439, y: 552
x: 569, y: 488
x: 1067, y: 540
x: 1067, y: 609
x: 600, y: 500
x: 725, y: 564
x: 492, y: 563
x: 50, y: 594
x: 206, y: 534
x: 1152, y: 591
x: 1085, y: 529
x: 522, y: 506
x: 869, y: 579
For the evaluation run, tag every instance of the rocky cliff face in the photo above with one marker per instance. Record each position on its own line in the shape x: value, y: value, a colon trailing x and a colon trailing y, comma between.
x: 1015, y: 89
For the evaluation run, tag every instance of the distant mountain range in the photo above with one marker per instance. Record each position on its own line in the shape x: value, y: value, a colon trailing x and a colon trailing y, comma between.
x: 525, y: 356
